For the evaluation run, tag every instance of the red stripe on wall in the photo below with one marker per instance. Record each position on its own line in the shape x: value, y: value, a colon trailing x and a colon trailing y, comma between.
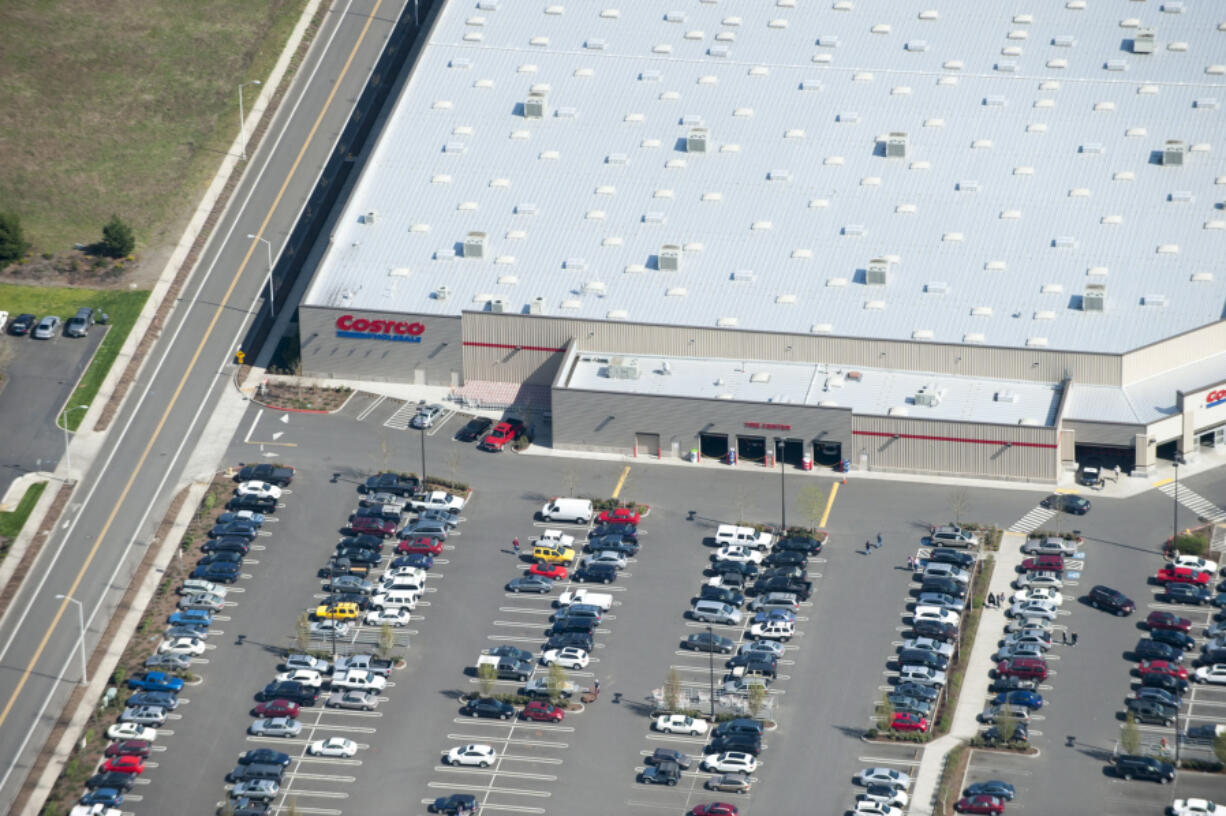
x: 954, y: 439
x: 512, y: 346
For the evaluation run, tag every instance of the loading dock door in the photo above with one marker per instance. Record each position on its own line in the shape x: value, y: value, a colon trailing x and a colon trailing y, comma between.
x: 713, y: 446
x: 793, y: 452
x: 1106, y: 457
x: 751, y: 448
x: 827, y: 453
x: 646, y: 444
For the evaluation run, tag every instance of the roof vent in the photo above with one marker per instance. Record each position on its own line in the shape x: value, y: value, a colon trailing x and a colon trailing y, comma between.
x: 928, y: 396
x: 670, y: 258
x: 878, y: 272
x: 474, y: 245
x: 537, y: 306
x: 621, y: 368
x: 896, y: 145
x: 370, y: 217
x: 534, y: 105
x: 696, y: 140
x: 1172, y: 152
x: 1095, y: 297
x: 499, y: 305
x: 1143, y: 41
x: 442, y: 293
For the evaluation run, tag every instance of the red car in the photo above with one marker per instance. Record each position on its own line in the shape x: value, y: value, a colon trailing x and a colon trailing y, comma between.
x: 138, y: 748
x: 371, y: 526
x: 618, y: 515
x: 1027, y: 668
x: 504, y: 432
x: 909, y: 721
x: 1044, y: 563
x: 1162, y: 667
x: 1168, y: 620
x: 124, y: 764
x: 541, y: 711
x: 1183, y: 575
x: 421, y: 545
x: 277, y: 708
x: 555, y: 571
x: 980, y: 804
x: 715, y: 809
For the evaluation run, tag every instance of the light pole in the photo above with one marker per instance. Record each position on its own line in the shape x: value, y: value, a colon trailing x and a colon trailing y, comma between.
x: 242, y: 121
x: 1178, y: 460
x: 711, y: 670
x: 423, y: 456
x: 781, y: 447
x: 272, y: 286
x: 67, y: 448
x: 81, y: 621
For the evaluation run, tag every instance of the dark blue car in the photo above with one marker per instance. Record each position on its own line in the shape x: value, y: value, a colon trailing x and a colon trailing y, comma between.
x: 419, y: 560
x: 225, y: 573
x: 1190, y: 594
x: 1020, y: 697
x: 242, y: 529
x: 108, y: 797
x: 191, y: 617
x: 993, y: 787
x: 156, y: 681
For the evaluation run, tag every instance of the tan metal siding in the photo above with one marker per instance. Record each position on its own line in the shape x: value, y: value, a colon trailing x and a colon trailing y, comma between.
x: 325, y: 355
x: 637, y: 338
x: 1104, y: 433
x: 1162, y: 356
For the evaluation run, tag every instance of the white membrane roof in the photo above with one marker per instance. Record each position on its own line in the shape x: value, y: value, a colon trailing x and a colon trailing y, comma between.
x: 1033, y: 168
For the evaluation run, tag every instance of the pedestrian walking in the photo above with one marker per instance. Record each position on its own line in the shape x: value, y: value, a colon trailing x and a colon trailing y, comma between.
x: 868, y: 547
x: 1117, y: 473
x: 596, y: 683
x: 1074, y: 638
x: 879, y: 541
x: 1064, y: 636
x: 515, y: 545
x: 911, y: 563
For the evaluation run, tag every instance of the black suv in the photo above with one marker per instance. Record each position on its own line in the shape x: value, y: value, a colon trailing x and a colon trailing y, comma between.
x: 596, y: 573
x: 1175, y: 685
x: 290, y: 690
x: 391, y: 483
x: 1111, y: 600
x: 721, y: 594
x: 937, y: 630
x: 1147, y: 649
x: 741, y: 725
x: 804, y: 544
x: 801, y: 589
x: 664, y: 773
x: 260, y: 504
x: 1128, y: 766
x: 1173, y: 637
x: 946, y: 555
x: 280, y: 475
x: 946, y: 586
x: 745, y: 742
x: 1151, y: 711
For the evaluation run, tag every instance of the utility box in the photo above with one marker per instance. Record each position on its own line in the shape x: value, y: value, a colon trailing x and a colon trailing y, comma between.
x: 696, y: 140
x: 670, y: 258
x: 534, y: 105
x: 896, y: 145
x: 474, y: 245
x: 1144, y: 40
x: 1172, y: 152
x: 1095, y: 298
x: 878, y: 272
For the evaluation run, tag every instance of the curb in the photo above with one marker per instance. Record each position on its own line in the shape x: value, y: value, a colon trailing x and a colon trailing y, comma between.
x: 34, y: 522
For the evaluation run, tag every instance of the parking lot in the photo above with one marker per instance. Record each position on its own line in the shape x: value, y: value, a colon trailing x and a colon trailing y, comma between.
x: 824, y: 695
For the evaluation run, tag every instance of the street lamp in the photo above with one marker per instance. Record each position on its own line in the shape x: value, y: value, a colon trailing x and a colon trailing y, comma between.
x: 780, y: 454
x: 423, y: 455
x: 67, y: 449
x: 272, y: 293
x: 242, y: 121
x: 81, y: 621
x: 711, y: 669
x: 1178, y: 460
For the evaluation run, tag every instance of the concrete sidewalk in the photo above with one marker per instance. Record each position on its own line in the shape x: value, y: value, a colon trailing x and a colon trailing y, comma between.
x: 976, y: 680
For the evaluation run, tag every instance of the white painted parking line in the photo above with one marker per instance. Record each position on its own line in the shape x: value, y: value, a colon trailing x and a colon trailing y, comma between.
x: 496, y: 773
x: 512, y: 724
x: 506, y: 740
x: 486, y: 789
x: 871, y: 760
x: 321, y: 777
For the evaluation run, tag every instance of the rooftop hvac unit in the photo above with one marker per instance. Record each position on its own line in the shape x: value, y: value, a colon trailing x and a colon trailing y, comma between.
x: 878, y: 273
x: 1143, y: 41
x: 442, y: 293
x: 537, y: 306
x: 670, y: 258
x: 696, y: 140
x: 1172, y: 152
x: 1095, y: 298
x: 499, y: 305
x: 621, y: 368
x: 534, y: 105
x: 474, y: 245
x: 370, y: 217
x: 928, y: 396
x: 896, y: 145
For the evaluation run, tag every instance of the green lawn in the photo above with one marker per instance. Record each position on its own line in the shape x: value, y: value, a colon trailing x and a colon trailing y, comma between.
x: 122, y: 305
x: 11, y: 523
x: 124, y: 108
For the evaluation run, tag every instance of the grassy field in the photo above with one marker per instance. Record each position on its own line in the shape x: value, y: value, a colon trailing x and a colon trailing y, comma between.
x: 12, y: 522
x: 123, y: 108
x: 123, y: 306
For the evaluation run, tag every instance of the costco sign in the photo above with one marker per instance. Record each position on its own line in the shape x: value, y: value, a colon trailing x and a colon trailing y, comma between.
x: 363, y: 329
x: 1215, y: 398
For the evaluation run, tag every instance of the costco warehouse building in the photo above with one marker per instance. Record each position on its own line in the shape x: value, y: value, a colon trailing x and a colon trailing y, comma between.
x: 944, y: 238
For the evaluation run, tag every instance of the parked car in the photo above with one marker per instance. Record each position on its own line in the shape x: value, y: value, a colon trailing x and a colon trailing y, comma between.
x: 279, y: 475
x: 680, y: 724
x: 1066, y: 503
x: 541, y: 711
x: 1140, y: 767
x: 78, y: 325
x: 275, y: 727
x: 488, y: 707
x: 664, y: 773
x: 394, y: 483
x: 47, y: 328
x: 503, y: 433
x: 22, y: 324
x: 980, y: 804
x: 473, y: 429
x: 1167, y: 620
x: 454, y: 804
x: 951, y: 535
x: 426, y: 416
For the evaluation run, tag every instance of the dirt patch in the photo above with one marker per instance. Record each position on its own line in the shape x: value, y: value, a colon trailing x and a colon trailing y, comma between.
x: 291, y: 397
x: 85, y: 760
x: 35, y: 547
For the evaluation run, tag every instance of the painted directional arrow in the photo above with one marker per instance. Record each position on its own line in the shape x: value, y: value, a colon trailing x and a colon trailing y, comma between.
x: 285, y: 418
x: 278, y: 435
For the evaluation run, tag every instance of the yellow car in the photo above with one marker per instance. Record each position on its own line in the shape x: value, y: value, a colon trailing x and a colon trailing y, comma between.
x: 553, y: 554
x: 342, y: 611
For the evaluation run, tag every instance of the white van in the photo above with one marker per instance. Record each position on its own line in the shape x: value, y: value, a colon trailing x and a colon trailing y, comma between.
x: 396, y: 597
x: 744, y: 536
x: 578, y: 511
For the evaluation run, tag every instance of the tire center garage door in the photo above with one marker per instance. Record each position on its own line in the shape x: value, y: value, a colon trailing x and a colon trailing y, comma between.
x: 713, y: 446
x: 751, y: 448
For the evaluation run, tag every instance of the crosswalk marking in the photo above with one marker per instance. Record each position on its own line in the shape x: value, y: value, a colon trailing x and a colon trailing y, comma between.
x: 1195, y: 502
x: 400, y: 419
x: 1031, y: 520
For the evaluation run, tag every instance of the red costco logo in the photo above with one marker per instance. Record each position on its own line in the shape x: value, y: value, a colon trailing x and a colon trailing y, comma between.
x: 360, y: 327
x: 1215, y: 398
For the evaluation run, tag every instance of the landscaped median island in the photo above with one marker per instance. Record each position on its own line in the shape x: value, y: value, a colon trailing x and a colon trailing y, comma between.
x: 12, y: 521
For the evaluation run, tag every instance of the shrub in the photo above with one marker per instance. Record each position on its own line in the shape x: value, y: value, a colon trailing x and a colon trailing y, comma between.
x: 13, y: 243
x: 1192, y: 544
x: 117, y: 238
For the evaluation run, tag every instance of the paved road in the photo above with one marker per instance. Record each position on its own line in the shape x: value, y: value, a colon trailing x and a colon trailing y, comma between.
x: 94, y: 553
x: 39, y: 378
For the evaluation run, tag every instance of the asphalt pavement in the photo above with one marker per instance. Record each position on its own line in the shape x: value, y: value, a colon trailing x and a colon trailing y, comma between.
x: 94, y: 552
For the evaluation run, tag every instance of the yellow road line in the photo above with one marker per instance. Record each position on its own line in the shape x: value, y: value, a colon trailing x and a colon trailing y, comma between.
x: 187, y: 373
x: 279, y: 444
x: 1161, y: 483
x: 621, y: 481
x: 834, y: 490
x: 1072, y: 491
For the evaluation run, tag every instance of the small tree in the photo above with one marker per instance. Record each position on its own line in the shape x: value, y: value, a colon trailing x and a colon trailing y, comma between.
x: 740, y: 500
x: 13, y: 243
x: 1219, y: 748
x: 755, y: 697
x: 293, y: 810
x: 117, y: 238
x: 1130, y: 735
x: 387, y: 642
x: 812, y: 504
x: 958, y: 501
x: 570, y: 478
x: 487, y: 674
x: 302, y: 632
x: 556, y: 682
x: 885, y: 712
x: 672, y: 690
x: 1006, y: 723
x: 453, y: 467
